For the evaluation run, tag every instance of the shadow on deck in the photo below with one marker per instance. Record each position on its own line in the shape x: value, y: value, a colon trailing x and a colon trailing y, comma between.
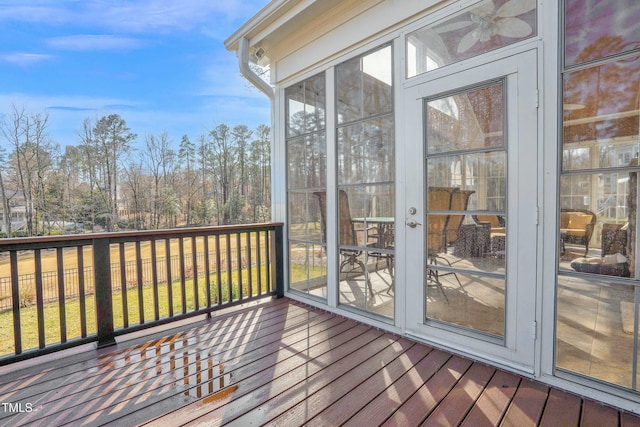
x: 281, y: 363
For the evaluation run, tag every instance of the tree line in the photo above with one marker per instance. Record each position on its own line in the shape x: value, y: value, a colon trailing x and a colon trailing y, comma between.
x: 113, y: 180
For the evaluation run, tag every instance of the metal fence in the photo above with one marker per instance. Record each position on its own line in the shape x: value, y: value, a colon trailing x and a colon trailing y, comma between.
x: 71, y: 281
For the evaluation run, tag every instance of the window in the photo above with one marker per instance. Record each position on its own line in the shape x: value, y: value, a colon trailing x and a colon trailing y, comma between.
x: 598, y: 282
x: 306, y: 176
x: 366, y: 174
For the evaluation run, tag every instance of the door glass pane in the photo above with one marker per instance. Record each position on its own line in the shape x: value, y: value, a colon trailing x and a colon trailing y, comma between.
x: 480, y: 28
x: 466, y: 222
x: 468, y: 120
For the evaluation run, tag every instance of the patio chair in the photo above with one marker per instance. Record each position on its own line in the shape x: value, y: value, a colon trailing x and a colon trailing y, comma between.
x: 459, y: 202
x: 346, y: 234
x: 439, y: 199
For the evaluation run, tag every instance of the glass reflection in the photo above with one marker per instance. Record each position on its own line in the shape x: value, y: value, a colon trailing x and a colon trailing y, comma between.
x: 304, y: 217
x: 598, y: 223
x: 595, y: 329
x: 308, y: 269
x: 366, y: 230
x: 305, y: 104
x: 470, y: 120
x: 307, y: 159
x: 364, y: 86
x: 613, y: 26
x: 306, y: 175
x: 481, y: 28
x: 600, y: 118
x: 366, y: 190
x: 366, y: 152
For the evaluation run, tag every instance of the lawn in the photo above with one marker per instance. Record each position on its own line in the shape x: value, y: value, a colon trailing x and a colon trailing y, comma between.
x: 29, y: 323
x: 49, y: 263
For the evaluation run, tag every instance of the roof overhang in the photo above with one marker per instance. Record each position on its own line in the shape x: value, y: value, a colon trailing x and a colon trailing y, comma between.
x: 272, y: 19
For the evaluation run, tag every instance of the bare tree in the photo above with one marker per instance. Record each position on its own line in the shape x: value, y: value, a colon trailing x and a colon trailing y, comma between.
x: 31, y: 159
x: 260, y: 175
x: 188, y: 186
x: 224, y: 156
x: 159, y: 159
x: 135, y: 194
x: 6, y: 212
x: 107, y: 144
x: 241, y: 135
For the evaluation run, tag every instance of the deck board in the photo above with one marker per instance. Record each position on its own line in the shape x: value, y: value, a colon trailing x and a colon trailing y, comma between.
x: 562, y: 408
x: 594, y: 414
x: 338, y: 386
x: 414, y: 410
x: 283, y: 363
x: 386, y: 404
x: 353, y: 401
x: 492, y: 404
x: 453, y: 408
x: 273, y: 398
x: 527, y: 405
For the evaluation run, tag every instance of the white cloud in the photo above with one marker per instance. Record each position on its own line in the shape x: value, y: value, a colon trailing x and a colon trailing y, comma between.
x: 91, y: 42
x: 24, y: 59
x: 67, y: 113
x: 133, y: 16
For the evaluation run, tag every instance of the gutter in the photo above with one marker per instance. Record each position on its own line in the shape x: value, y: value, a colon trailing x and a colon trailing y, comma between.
x: 248, y: 73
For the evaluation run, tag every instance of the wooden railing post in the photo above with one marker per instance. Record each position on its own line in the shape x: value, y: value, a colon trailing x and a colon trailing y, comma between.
x: 102, y: 282
x: 278, y: 247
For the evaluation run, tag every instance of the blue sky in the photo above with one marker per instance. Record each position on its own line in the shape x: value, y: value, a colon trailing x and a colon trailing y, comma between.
x: 160, y: 64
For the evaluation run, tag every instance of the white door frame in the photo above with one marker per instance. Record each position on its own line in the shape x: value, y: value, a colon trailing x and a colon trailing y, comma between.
x: 518, y: 349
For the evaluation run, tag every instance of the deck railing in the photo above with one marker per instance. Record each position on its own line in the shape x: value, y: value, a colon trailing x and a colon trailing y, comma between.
x: 62, y: 291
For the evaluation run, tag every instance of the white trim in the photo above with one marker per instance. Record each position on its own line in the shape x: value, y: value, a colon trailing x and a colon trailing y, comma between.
x: 549, y: 184
x: 401, y: 208
x: 332, y: 188
x: 359, y: 316
x: 520, y: 74
x: 460, y: 350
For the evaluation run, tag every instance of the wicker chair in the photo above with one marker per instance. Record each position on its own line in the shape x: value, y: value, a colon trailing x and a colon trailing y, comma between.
x: 577, y: 226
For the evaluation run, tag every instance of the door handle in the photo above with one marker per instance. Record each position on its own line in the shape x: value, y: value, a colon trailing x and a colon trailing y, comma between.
x: 412, y: 223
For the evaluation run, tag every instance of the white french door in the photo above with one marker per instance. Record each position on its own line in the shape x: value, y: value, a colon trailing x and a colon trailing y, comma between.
x: 471, y: 220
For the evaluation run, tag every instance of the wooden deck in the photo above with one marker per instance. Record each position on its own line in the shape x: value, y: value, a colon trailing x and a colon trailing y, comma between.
x: 282, y: 363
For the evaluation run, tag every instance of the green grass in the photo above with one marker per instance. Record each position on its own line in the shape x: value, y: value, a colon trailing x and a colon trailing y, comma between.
x: 29, y: 322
